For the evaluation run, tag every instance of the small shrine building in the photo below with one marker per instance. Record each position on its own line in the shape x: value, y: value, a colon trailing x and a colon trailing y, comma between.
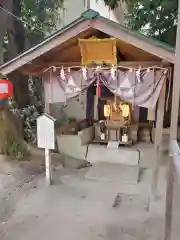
x: 122, y: 73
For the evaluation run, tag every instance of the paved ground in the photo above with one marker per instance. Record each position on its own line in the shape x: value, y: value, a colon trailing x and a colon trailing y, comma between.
x: 75, y: 208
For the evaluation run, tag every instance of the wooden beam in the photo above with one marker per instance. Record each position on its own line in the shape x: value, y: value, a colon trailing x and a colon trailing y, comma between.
x: 73, y: 42
x: 176, y: 89
x: 173, y: 133
x: 143, y: 64
x: 52, y: 42
x: 47, y: 64
x: 133, y: 64
x: 158, y: 139
x: 173, y: 166
x: 54, y: 52
x: 138, y: 42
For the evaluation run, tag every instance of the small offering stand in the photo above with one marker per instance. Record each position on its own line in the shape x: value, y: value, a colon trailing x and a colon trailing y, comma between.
x: 117, y: 125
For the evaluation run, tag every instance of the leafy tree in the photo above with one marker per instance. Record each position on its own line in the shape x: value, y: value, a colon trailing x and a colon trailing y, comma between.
x: 16, y: 36
x: 115, y: 3
x: 156, y: 18
x: 42, y: 15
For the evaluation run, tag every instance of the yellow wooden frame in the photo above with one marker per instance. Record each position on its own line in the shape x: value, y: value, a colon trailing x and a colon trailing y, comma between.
x: 98, y: 51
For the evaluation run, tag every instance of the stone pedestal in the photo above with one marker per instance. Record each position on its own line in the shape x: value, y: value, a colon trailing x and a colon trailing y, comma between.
x: 113, y: 165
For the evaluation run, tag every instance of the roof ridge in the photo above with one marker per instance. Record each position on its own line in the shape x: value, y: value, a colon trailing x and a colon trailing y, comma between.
x: 139, y: 34
x: 90, y: 14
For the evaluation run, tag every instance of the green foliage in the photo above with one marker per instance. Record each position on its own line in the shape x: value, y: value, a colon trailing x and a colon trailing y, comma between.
x: 112, y: 3
x: 156, y: 18
x: 115, y: 3
x: 15, y: 148
x: 29, y: 116
x: 42, y: 15
x: 30, y: 113
x: 61, y: 122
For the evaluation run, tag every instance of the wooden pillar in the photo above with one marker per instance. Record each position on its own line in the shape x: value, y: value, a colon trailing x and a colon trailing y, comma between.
x: 48, y: 91
x: 46, y: 102
x: 136, y: 114
x: 173, y: 131
x: 158, y: 139
x: 176, y: 84
x: 175, y: 99
x: 169, y: 199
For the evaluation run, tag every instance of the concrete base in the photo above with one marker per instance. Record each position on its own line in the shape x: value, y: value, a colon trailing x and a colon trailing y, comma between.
x: 71, y: 145
x: 73, y: 163
x: 123, y: 155
x: 113, y: 165
x: 120, y: 165
x: 113, y: 172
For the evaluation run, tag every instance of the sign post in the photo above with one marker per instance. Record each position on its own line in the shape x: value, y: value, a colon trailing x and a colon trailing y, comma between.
x: 48, y: 166
x: 46, y: 140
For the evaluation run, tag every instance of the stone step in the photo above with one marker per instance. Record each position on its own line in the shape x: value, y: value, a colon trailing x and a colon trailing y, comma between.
x: 123, y: 155
x: 113, y: 172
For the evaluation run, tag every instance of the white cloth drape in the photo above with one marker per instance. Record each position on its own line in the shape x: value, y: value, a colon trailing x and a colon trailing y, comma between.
x: 139, y: 89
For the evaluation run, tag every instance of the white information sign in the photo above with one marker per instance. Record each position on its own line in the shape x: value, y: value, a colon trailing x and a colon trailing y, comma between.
x: 46, y: 140
x: 45, y: 132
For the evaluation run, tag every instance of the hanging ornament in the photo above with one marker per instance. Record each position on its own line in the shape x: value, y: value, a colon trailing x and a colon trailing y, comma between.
x: 165, y: 71
x: 71, y: 87
x: 62, y: 73
x: 148, y: 70
x: 84, y: 73
x: 54, y: 69
x: 69, y: 69
x: 138, y: 75
x: 113, y: 73
x: 98, y: 68
x: 115, y: 106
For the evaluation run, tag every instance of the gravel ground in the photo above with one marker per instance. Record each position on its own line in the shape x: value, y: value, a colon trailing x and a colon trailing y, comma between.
x: 75, y: 208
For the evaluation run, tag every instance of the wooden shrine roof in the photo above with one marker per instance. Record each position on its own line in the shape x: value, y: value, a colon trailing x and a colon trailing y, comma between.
x: 61, y: 48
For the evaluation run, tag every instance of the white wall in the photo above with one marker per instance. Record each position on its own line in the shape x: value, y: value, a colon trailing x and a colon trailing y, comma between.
x: 74, y: 8
x: 116, y: 16
x: 76, y: 109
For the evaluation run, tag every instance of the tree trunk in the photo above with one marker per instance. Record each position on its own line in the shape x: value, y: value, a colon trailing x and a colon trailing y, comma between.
x: 9, y: 130
x: 16, y: 45
x: 8, y: 127
x: 4, y: 18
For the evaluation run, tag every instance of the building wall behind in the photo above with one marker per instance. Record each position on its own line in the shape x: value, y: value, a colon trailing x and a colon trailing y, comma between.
x: 114, y: 15
x: 74, y: 8
x: 74, y: 109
